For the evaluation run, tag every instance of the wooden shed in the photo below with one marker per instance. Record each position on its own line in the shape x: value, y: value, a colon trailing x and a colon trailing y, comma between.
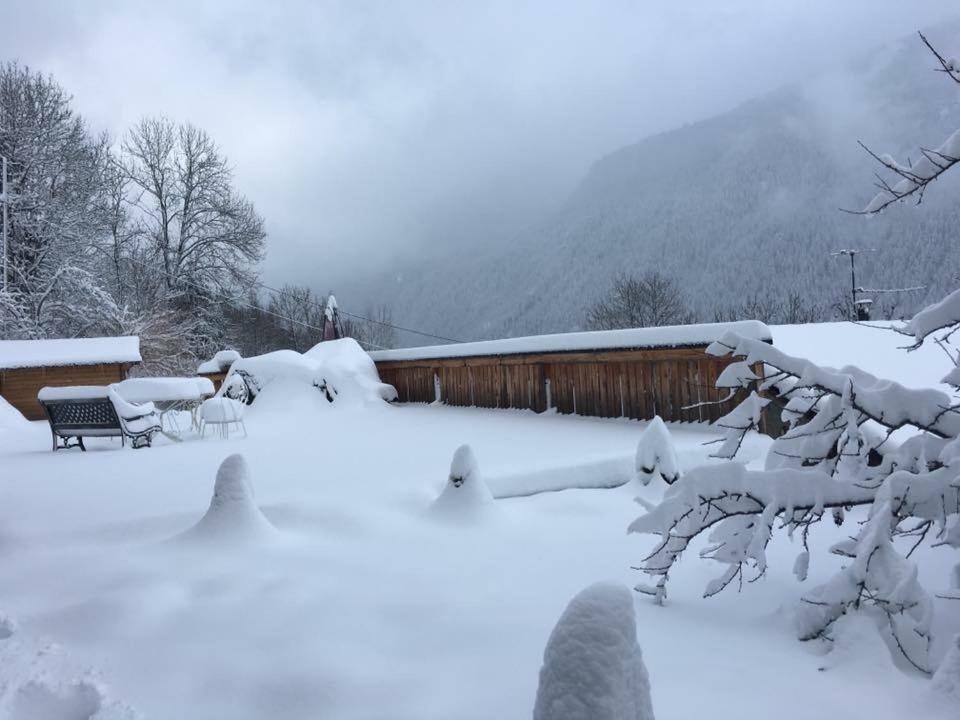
x: 635, y: 373
x: 217, y: 367
x: 28, y: 365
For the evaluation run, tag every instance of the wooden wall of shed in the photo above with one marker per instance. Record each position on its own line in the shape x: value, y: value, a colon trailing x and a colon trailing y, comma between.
x: 216, y: 378
x: 624, y: 383
x: 19, y: 387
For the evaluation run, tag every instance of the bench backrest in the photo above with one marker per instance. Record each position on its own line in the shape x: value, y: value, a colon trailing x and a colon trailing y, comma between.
x: 90, y: 413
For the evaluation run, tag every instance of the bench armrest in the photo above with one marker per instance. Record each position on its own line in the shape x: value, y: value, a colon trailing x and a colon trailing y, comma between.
x: 127, y: 410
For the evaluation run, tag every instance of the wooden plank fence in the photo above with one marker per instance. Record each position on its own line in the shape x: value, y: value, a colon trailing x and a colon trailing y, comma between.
x: 678, y: 384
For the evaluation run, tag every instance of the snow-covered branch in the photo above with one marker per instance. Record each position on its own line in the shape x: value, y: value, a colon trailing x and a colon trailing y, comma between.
x: 911, y: 180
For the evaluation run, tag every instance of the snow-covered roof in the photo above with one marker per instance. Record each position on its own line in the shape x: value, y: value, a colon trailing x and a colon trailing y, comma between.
x: 68, y: 351
x: 673, y: 336
x: 219, y: 363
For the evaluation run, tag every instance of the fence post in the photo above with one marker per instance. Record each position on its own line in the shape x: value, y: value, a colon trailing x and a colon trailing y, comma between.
x: 546, y: 386
x: 623, y: 412
x: 573, y: 386
x: 436, y: 388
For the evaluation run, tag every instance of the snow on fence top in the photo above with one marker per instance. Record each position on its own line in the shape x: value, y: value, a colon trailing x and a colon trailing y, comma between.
x: 674, y: 336
x: 68, y: 351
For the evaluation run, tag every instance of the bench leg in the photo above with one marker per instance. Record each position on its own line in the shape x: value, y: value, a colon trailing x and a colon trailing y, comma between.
x: 80, y: 442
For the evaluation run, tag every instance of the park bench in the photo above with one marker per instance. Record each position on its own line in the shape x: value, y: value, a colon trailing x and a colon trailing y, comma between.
x: 96, y: 411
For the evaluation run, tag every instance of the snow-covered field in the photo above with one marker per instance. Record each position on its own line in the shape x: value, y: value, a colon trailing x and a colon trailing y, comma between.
x: 367, y: 602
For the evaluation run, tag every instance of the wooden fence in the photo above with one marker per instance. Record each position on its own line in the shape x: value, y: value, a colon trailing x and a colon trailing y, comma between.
x: 678, y: 384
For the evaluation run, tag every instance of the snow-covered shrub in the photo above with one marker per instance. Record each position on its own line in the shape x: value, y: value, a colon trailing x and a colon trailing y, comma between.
x: 836, y: 453
x: 339, y: 370
x: 656, y: 454
x: 592, y: 666
x: 465, y: 494
x: 233, y: 514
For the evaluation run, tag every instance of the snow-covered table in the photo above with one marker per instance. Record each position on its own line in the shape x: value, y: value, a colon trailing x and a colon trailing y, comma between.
x: 169, y: 395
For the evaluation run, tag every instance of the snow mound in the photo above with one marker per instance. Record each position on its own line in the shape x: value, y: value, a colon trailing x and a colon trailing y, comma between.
x: 592, y: 666
x: 10, y: 417
x: 856, y: 643
x: 337, y: 370
x: 40, y: 681
x: 656, y: 454
x: 233, y: 513
x: 465, y: 493
x: 350, y: 368
x: 946, y: 680
x: 37, y: 700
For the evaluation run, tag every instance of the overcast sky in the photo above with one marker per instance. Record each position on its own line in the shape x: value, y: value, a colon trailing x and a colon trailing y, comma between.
x: 368, y: 131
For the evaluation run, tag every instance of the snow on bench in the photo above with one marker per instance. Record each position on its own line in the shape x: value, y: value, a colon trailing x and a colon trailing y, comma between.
x: 674, y: 336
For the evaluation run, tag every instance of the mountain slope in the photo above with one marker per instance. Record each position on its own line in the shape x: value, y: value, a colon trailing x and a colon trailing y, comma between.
x: 743, y: 203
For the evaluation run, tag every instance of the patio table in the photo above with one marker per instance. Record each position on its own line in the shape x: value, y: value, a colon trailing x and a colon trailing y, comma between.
x: 169, y: 395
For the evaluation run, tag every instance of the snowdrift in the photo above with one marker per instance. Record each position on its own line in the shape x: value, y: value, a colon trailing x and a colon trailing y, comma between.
x: 233, y: 514
x: 11, y: 419
x: 465, y: 495
x: 338, y: 370
x: 592, y: 665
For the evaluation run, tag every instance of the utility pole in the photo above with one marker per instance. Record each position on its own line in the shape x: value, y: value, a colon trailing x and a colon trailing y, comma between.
x: 6, y: 194
x: 854, y: 305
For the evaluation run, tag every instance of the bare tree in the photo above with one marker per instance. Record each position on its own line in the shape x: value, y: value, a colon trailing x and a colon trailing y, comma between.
x: 650, y: 300
x: 206, y: 235
x: 298, y: 317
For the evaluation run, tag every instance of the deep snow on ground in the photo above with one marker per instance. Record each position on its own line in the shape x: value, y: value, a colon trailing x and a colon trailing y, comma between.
x: 349, y: 598
x: 873, y: 347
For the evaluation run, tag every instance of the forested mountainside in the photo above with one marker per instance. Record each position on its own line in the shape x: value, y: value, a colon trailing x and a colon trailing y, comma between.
x: 745, y: 203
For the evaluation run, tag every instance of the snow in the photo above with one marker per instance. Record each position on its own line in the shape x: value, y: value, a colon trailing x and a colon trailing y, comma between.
x: 465, y: 496
x: 221, y: 410
x: 339, y: 369
x: 125, y: 409
x: 878, y: 398
x: 162, y: 389
x: 938, y: 316
x: 592, y: 666
x: 75, y: 351
x: 652, y: 337
x: 219, y: 363
x: 73, y: 392
x: 946, y: 680
x: 10, y: 418
x: 874, y: 347
x: 334, y: 594
x: 233, y: 515
x: 656, y: 454
x: 928, y: 166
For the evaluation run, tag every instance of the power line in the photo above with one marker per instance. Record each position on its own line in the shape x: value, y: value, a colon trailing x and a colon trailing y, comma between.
x: 360, y: 317
x: 235, y: 302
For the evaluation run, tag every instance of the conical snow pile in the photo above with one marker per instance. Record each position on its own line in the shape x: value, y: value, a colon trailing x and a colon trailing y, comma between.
x: 465, y: 494
x: 592, y: 667
x: 946, y: 680
x: 656, y: 454
x: 233, y: 514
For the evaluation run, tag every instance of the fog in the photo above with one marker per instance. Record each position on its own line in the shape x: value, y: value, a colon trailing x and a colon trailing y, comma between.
x: 370, y: 133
